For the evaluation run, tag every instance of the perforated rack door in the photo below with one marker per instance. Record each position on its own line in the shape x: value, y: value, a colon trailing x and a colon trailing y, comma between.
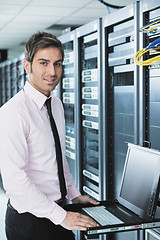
x: 89, y: 109
x: 119, y: 91
x: 67, y: 92
x: 151, y: 79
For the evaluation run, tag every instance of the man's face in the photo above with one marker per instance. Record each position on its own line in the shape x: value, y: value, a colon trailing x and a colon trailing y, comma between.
x: 46, y: 69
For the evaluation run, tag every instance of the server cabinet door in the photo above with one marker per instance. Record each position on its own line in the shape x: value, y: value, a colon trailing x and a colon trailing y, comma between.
x: 67, y: 94
x: 89, y: 112
x: 120, y: 101
x: 89, y: 109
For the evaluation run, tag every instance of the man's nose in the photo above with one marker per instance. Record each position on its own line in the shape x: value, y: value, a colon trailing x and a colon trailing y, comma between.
x: 51, y: 70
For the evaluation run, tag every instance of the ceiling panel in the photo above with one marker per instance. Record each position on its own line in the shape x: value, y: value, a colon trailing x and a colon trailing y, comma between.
x: 91, y: 12
x: 72, y: 21
x: 2, y: 25
x: 10, y: 9
x: 47, y: 11
x: 5, y: 18
x: 24, y: 26
x: 61, y: 3
x: 36, y: 19
x: 15, y: 2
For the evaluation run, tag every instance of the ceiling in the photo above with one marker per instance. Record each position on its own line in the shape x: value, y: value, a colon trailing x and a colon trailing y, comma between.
x: 19, y: 19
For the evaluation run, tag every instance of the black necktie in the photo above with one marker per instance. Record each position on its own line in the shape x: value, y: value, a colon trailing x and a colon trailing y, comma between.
x: 58, y: 150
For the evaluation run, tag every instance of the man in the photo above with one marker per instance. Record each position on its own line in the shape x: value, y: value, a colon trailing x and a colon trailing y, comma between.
x: 28, y: 153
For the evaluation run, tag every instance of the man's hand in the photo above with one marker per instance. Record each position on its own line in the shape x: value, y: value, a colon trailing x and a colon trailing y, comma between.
x: 77, y: 221
x: 83, y: 199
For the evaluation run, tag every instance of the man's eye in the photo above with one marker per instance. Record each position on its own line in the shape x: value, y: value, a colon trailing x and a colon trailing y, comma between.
x: 44, y: 63
x: 59, y: 64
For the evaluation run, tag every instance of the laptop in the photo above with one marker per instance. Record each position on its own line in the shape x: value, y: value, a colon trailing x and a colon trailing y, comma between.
x: 135, y: 207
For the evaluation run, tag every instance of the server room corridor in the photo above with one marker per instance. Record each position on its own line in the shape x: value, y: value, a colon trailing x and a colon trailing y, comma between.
x: 3, y: 202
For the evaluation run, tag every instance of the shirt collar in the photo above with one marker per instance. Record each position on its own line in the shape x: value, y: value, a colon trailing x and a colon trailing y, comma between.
x: 37, y: 97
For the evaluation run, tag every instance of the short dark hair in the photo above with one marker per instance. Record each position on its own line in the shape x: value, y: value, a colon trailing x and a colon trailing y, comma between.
x: 41, y: 40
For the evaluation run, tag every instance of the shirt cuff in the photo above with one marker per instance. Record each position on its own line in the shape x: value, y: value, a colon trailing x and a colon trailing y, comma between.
x: 58, y: 215
x: 73, y: 192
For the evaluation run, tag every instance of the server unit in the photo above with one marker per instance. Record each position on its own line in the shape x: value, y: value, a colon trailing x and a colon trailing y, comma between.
x: 12, y: 78
x: 120, y: 96
x: 67, y: 93
x: 2, y: 83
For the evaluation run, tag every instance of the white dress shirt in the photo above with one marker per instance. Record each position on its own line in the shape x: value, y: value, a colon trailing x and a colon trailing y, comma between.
x: 27, y: 155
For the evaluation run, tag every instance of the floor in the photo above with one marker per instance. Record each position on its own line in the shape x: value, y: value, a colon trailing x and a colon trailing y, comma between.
x: 3, y: 202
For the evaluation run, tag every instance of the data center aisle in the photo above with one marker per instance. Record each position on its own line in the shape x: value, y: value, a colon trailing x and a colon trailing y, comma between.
x: 3, y: 202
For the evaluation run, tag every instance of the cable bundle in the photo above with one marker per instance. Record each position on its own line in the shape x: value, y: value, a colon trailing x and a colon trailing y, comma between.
x: 155, y: 45
x: 148, y: 29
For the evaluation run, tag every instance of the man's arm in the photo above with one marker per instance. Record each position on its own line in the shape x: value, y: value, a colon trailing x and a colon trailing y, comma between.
x: 24, y: 195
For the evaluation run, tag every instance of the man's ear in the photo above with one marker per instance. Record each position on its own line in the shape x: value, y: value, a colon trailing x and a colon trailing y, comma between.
x: 27, y: 66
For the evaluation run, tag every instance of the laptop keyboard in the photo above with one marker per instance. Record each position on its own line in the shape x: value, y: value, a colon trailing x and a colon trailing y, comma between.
x: 102, y: 216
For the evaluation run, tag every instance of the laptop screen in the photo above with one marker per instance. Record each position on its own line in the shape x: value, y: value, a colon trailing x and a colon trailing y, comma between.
x: 140, y: 181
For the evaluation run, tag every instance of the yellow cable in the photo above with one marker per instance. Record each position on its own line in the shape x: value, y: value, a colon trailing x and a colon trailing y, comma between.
x: 150, y: 61
x: 144, y: 27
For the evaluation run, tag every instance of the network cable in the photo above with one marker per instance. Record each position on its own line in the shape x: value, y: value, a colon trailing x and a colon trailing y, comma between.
x: 149, y: 29
x: 155, y: 45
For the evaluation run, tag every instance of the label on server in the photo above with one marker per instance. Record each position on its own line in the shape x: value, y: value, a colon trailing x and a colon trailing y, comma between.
x: 70, y: 145
x: 69, y: 100
x: 70, y: 139
x: 70, y: 155
x: 68, y: 94
x: 68, y: 58
x: 90, y: 124
x: 90, y: 107
x: 68, y: 97
x: 70, y: 142
x: 90, y: 96
x: 90, y: 92
x: 90, y: 113
x: 68, y: 85
x: 91, y: 176
x: 68, y: 80
x: 90, y: 75
x: 91, y: 193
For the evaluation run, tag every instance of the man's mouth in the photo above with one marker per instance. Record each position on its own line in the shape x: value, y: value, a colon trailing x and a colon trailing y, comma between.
x: 49, y: 80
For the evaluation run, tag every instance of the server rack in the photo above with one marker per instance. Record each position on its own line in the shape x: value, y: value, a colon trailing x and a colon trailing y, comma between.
x: 120, y: 101
x: 67, y: 92
x: 7, y: 81
x: 150, y: 77
x: 2, y: 83
x: 21, y: 74
x: 89, y: 110
x: 12, y: 78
